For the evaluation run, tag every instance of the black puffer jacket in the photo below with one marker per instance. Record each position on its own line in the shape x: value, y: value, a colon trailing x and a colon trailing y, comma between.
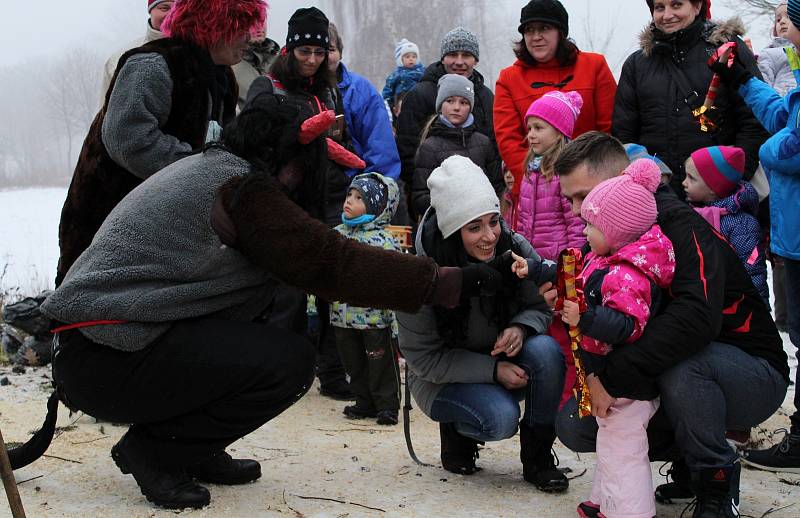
x: 420, y: 104
x: 650, y: 110
x: 443, y: 142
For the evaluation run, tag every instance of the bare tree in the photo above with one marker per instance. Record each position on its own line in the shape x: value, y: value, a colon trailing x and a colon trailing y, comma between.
x: 752, y: 9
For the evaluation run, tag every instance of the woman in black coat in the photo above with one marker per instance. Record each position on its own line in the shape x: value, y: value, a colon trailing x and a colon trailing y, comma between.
x: 653, y: 106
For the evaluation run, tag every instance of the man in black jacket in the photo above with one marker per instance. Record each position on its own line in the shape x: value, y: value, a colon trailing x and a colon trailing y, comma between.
x: 713, y: 354
x: 459, y: 55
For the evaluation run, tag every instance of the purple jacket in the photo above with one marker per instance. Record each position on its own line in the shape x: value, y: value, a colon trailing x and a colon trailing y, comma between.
x: 543, y: 216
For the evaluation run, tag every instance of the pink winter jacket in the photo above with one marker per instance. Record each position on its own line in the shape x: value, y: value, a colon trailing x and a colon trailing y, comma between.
x: 626, y: 284
x: 543, y: 216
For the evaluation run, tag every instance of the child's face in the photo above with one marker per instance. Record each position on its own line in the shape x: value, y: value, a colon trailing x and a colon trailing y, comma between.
x: 456, y: 109
x: 354, y: 205
x: 697, y: 191
x: 541, y: 135
x: 782, y: 22
x: 596, y: 239
x: 665, y: 179
x: 409, y: 59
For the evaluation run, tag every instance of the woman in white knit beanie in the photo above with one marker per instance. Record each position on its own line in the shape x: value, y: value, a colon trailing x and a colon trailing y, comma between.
x: 490, y: 351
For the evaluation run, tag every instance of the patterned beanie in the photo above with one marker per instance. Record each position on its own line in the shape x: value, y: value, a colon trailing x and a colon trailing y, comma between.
x: 460, y: 192
x: 450, y: 85
x: 550, y: 11
x: 373, y: 192
x: 637, y: 151
x: 623, y: 208
x: 308, y: 26
x: 151, y: 4
x: 793, y: 8
x: 404, y: 47
x: 560, y: 109
x: 460, y: 39
x: 721, y: 167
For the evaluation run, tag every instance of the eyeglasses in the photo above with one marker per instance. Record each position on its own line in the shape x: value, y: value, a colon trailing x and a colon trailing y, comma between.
x: 307, y: 52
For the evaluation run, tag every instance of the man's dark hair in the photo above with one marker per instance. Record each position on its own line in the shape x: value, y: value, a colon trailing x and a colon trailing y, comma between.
x: 566, y: 53
x: 603, y: 155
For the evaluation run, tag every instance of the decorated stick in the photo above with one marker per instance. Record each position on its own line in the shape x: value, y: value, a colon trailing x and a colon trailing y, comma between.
x: 569, y: 287
x: 701, y: 114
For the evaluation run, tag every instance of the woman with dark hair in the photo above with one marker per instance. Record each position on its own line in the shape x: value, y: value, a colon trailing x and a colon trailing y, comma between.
x: 471, y: 365
x: 664, y: 82
x: 547, y: 60
x: 165, y: 321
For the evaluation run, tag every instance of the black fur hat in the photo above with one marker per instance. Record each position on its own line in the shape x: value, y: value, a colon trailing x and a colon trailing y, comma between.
x: 550, y: 11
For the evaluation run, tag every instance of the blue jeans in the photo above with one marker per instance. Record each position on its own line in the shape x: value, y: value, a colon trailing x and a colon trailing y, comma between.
x: 720, y: 388
x: 490, y: 412
x: 792, y: 269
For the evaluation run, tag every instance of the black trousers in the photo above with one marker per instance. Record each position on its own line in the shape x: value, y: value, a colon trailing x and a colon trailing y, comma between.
x: 370, y: 360
x: 198, y: 388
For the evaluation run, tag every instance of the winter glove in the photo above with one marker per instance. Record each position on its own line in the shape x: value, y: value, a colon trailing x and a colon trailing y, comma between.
x: 480, y: 279
x: 735, y: 75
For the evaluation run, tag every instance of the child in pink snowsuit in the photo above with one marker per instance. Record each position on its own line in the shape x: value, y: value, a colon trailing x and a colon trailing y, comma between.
x: 630, y: 263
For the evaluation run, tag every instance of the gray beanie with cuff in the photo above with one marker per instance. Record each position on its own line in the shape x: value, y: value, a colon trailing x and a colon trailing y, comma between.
x: 460, y: 39
x: 454, y: 85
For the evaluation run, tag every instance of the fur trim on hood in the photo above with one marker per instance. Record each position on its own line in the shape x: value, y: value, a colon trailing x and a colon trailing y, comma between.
x: 714, y: 32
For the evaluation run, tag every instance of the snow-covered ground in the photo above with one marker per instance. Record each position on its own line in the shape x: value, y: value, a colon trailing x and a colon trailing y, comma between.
x: 29, y: 238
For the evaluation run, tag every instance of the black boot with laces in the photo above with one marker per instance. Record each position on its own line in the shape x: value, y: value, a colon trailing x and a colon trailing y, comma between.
x: 783, y: 457
x: 458, y: 452
x: 679, y: 490
x: 538, y: 463
x: 714, y: 488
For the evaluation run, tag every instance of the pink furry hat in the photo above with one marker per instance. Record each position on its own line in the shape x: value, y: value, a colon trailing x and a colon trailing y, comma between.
x: 210, y: 22
x: 623, y: 208
x: 560, y: 109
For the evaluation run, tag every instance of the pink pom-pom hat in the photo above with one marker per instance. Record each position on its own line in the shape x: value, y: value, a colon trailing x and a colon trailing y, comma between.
x: 623, y: 208
x: 560, y: 109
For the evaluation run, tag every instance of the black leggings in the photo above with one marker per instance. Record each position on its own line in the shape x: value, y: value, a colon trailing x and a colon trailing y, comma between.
x: 201, y: 386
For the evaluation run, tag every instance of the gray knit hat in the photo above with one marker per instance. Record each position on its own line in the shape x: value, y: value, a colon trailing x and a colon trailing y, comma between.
x: 454, y: 84
x: 460, y: 39
x: 460, y: 192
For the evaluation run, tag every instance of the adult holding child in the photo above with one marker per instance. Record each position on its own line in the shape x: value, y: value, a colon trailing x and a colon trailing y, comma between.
x: 471, y: 365
x: 713, y: 352
x: 167, y: 98
x: 548, y: 60
x: 667, y: 79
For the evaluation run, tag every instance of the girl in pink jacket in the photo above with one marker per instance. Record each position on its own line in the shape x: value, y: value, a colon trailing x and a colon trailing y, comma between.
x: 631, y: 262
x: 542, y: 214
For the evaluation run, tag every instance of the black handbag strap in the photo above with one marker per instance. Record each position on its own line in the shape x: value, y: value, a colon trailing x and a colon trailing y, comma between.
x: 689, y: 94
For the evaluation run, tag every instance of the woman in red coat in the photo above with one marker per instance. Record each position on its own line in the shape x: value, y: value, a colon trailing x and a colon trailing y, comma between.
x: 546, y: 61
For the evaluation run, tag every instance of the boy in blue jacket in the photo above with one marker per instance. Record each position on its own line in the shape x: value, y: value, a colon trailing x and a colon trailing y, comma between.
x: 780, y: 155
x: 407, y: 74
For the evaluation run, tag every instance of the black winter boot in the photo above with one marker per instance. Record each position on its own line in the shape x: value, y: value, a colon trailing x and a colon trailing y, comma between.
x: 458, y: 452
x: 679, y: 490
x: 538, y: 465
x: 715, y: 488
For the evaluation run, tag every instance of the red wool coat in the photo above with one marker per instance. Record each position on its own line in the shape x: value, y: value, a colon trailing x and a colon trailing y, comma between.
x: 514, y: 94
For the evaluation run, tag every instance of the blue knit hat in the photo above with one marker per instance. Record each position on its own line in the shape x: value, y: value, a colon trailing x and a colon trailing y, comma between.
x: 793, y: 8
x: 637, y: 151
x: 373, y: 192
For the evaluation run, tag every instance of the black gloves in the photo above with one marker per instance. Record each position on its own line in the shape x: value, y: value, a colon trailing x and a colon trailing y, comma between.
x: 485, y: 279
x: 735, y: 75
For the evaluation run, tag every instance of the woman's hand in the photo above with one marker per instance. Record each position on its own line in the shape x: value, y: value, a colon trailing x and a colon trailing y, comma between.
x: 519, y: 266
x: 601, y: 400
x: 511, y: 376
x: 509, y: 341
x: 571, y: 314
x: 549, y: 293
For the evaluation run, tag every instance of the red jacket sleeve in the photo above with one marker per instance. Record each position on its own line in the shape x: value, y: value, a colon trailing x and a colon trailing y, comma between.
x: 508, y: 129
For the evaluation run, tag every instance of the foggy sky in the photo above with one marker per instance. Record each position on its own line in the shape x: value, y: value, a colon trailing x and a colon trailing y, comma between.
x: 54, y: 25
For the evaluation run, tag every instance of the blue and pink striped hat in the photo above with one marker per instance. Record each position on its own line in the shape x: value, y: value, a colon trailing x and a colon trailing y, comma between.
x: 721, y: 167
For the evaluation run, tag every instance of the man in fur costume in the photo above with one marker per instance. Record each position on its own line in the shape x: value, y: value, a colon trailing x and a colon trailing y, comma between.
x: 165, y: 321
x: 166, y: 99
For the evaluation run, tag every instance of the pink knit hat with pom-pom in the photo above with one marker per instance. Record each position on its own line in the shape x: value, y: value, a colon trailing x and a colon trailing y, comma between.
x: 623, y: 208
x: 561, y: 109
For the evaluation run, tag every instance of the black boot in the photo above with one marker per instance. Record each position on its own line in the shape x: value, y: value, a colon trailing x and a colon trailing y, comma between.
x: 715, y: 488
x: 538, y: 465
x: 170, y: 488
x: 680, y: 489
x: 458, y: 452
x: 223, y: 469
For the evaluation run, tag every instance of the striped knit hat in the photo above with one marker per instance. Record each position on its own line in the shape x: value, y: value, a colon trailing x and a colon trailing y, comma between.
x: 404, y: 47
x: 151, y: 4
x: 721, y: 167
x: 793, y: 7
